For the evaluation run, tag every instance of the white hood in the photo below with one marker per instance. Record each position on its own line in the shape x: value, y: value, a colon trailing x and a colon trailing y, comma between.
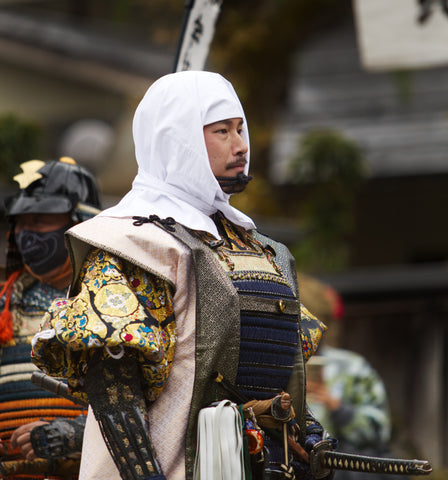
x: 174, y: 177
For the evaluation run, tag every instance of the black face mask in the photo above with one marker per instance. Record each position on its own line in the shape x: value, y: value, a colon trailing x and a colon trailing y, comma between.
x: 42, y: 252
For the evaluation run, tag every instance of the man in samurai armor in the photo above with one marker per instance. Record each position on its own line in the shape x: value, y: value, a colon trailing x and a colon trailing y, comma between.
x: 173, y: 285
x: 39, y: 431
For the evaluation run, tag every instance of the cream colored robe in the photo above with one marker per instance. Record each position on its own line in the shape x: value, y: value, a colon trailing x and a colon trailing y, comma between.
x: 159, y: 252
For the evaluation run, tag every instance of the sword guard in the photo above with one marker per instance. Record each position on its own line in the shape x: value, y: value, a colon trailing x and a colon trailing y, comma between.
x: 317, y: 462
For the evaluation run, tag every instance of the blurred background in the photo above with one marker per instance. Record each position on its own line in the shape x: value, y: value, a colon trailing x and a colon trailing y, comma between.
x: 347, y: 105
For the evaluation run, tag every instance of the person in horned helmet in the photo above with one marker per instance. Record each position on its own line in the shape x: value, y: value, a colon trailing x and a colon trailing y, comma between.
x: 174, y: 284
x: 36, y: 424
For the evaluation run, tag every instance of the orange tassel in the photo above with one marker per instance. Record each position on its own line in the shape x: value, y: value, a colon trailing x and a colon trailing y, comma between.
x: 6, y: 330
x: 6, y: 327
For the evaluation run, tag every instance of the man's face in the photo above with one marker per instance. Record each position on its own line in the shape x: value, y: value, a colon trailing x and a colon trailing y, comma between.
x: 40, y: 240
x: 225, y: 147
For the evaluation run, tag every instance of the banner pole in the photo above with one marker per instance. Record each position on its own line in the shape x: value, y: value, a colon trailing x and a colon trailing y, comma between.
x: 189, y: 4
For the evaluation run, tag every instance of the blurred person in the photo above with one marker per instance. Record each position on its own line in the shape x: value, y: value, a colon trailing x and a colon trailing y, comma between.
x: 174, y: 284
x: 34, y: 423
x: 343, y: 390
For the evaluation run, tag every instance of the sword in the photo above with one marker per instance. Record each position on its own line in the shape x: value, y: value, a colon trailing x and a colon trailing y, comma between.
x: 323, y: 459
x: 57, y: 387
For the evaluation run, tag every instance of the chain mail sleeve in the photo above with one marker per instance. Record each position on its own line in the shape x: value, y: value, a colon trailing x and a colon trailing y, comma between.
x: 116, y: 396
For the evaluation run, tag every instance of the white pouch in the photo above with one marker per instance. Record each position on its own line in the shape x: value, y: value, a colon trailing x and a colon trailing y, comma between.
x: 220, y: 453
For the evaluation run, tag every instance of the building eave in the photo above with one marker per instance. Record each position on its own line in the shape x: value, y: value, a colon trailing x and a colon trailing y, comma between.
x: 79, y: 54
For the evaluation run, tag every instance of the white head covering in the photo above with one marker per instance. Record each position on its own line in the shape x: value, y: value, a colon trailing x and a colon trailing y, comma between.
x: 174, y: 176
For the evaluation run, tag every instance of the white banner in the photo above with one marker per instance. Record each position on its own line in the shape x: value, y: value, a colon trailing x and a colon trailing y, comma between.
x: 198, y: 35
x: 391, y: 36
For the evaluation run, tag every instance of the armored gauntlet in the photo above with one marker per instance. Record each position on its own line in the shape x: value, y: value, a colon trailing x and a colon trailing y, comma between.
x: 116, y: 397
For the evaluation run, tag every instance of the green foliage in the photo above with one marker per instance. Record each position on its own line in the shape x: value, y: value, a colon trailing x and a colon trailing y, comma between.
x: 19, y: 142
x: 333, y: 168
x: 404, y: 85
x: 326, y: 155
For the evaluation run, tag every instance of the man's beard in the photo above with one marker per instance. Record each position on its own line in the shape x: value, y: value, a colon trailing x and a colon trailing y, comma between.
x: 234, y: 184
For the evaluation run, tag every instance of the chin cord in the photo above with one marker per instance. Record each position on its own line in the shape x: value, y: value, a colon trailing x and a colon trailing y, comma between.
x: 240, y: 179
x: 117, y: 399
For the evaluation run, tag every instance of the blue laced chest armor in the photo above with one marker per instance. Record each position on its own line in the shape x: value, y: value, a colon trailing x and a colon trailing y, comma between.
x: 269, y: 338
x: 269, y: 321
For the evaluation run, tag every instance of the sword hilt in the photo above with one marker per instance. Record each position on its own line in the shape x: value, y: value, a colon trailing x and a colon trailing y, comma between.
x: 323, y: 460
x: 56, y: 387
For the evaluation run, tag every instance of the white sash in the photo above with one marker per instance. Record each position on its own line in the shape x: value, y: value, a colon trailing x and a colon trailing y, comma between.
x: 220, y: 453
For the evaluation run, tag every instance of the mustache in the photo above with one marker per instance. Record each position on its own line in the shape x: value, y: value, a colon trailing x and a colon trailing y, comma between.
x: 241, y: 162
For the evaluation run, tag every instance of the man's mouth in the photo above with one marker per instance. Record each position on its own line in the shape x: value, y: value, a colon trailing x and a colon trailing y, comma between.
x: 236, y: 164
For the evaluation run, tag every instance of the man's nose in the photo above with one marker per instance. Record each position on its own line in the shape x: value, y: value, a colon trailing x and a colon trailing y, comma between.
x: 240, y: 147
